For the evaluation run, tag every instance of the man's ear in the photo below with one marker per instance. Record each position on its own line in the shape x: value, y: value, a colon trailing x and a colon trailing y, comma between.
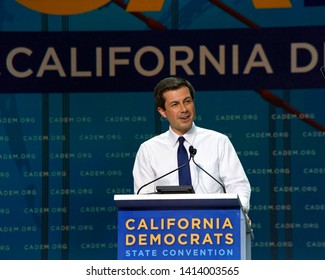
x: 161, y: 112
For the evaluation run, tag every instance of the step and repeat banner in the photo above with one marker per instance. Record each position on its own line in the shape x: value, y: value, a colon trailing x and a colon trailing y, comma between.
x: 76, y: 102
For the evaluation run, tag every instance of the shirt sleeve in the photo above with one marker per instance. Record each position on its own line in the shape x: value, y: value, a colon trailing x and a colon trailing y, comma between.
x: 142, y: 171
x: 233, y: 174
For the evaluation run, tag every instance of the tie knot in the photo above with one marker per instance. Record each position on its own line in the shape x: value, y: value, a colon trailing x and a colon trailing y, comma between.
x: 181, y: 140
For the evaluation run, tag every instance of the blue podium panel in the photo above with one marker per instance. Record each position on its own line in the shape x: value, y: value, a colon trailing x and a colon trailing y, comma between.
x: 182, y: 226
x: 179, y: 234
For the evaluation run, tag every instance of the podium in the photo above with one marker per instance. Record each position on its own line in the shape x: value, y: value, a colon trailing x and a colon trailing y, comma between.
x: 182, y: 226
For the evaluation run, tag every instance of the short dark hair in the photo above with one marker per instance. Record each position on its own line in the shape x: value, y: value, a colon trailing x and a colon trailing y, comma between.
x: 171, y: 83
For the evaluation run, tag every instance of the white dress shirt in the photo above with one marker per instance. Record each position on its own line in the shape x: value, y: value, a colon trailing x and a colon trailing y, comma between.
x: 215, y: 154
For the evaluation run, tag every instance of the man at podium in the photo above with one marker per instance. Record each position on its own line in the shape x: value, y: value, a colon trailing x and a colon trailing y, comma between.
x: 187, y: 155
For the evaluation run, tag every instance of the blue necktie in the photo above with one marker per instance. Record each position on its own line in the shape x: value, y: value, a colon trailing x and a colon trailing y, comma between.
x: 184, y: 175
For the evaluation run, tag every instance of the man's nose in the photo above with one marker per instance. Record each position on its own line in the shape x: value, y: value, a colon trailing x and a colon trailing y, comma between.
x: 183, y: 107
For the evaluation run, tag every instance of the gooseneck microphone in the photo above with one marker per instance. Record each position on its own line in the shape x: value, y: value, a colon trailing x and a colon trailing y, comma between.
x: 179, y: 167
x: 192, y: 154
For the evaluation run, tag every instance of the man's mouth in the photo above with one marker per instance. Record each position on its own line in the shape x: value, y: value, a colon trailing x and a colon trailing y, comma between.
x: 185, y: 118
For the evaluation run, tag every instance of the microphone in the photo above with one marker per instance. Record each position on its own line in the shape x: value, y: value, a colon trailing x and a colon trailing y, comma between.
x: 179, y: 167
x: 192, y: 154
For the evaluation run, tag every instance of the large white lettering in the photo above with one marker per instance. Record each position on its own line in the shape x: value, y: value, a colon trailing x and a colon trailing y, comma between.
x: 305, y: 48
x: 115, y: 61
x: 149, y: 61
x: 220, y: 65
x: 10, y: 63
x: 184, y: 63
x: 253, y: 60
x: 51, y: 62
x: 160, y: 61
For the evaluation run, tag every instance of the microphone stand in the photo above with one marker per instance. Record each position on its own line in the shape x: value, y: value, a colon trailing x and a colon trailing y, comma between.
x: 193, y: 153
x: 186, y: 163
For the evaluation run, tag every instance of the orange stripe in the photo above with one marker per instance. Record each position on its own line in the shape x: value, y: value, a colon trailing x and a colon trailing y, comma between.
x: 145, y: 5
x: 271, y: 4
x: 63, y: 7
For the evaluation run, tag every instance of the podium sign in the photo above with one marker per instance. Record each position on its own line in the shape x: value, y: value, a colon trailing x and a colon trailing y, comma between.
x: 190, y: 226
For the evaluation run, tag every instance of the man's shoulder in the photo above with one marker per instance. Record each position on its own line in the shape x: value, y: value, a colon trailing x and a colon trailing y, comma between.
x: 205, y: 132
x: 156, y: 139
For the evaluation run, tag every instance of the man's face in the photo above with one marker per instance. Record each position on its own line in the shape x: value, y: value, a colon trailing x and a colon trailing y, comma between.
x: 180, y: 110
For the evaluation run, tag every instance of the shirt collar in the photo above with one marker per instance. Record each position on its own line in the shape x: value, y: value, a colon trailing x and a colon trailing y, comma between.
x: 189, y: 136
